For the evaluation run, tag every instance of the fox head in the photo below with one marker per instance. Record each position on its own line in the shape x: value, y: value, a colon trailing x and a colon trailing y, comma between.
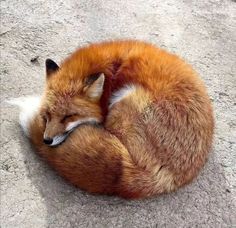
x: 69, y: 100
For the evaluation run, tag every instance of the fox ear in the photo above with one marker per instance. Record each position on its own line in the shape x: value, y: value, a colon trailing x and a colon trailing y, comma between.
x: 94, y: 86
x: 51, y: 67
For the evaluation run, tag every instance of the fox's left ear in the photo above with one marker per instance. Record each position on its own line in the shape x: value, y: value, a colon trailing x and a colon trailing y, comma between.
x: 94, y: 86
x: 51, y: 67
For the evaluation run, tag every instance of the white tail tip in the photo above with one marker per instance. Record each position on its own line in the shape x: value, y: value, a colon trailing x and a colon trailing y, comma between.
x: 29, y: 106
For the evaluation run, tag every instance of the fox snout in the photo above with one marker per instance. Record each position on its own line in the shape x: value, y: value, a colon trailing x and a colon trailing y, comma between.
x: 48, y: 141
x: 56, y: 140
x: 54, y: 133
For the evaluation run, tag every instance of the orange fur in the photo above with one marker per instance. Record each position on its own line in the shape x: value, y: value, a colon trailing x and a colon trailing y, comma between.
x: 153, y: 141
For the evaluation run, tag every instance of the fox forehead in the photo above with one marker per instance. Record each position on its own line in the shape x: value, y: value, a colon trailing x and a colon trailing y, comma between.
x: 57, y: 99
x: 64, y: 104
x: 61, y: 91
x: 65, y: 89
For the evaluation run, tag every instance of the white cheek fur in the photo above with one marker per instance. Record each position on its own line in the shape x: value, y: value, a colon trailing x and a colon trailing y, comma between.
x: 58, y: 139
x: 70, y: 126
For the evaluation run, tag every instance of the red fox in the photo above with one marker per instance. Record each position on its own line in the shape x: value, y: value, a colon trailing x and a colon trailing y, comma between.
x: 122, y: 118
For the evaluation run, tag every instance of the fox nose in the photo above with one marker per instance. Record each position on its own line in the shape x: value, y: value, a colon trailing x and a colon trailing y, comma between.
x: 48, y: 141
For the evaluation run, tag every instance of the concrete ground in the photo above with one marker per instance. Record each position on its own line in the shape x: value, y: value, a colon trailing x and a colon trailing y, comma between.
x: 203, y: 32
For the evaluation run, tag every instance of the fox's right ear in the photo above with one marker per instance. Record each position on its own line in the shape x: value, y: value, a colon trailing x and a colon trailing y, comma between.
x: 94, y: 87
x: 51, y: 67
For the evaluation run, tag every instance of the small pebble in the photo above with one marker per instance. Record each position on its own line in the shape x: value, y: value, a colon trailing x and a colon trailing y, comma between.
x: 34, y: 59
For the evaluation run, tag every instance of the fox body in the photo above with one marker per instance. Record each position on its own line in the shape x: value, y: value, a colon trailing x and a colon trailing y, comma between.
x: 123, y: 118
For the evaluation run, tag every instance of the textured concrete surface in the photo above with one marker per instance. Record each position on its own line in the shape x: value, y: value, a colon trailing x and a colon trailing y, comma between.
x: 203, y: 32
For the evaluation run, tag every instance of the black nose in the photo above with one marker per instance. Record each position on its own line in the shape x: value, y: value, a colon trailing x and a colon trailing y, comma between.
x: 48, y: 141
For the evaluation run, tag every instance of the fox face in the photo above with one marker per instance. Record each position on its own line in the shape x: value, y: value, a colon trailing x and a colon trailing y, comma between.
x: 68, y: 103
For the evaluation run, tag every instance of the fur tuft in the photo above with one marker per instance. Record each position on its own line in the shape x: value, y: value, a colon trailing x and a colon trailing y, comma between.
x: 121, y: 94
x: 29, y: 107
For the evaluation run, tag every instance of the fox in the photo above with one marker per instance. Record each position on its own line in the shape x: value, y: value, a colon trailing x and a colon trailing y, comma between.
x: 123, y: 118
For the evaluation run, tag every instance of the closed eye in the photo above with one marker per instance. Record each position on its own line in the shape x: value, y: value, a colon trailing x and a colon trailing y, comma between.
x: 67, y: 117
x: 46, y: 117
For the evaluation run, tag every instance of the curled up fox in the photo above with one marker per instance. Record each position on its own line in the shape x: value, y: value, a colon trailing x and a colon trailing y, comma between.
x: 121, y: 118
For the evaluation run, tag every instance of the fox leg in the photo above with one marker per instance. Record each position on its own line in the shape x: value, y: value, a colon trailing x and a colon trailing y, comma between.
x: 126, y: 120
x: 129, y: 120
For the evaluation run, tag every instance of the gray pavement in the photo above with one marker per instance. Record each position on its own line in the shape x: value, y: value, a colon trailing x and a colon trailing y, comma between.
x: 203, y: 32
